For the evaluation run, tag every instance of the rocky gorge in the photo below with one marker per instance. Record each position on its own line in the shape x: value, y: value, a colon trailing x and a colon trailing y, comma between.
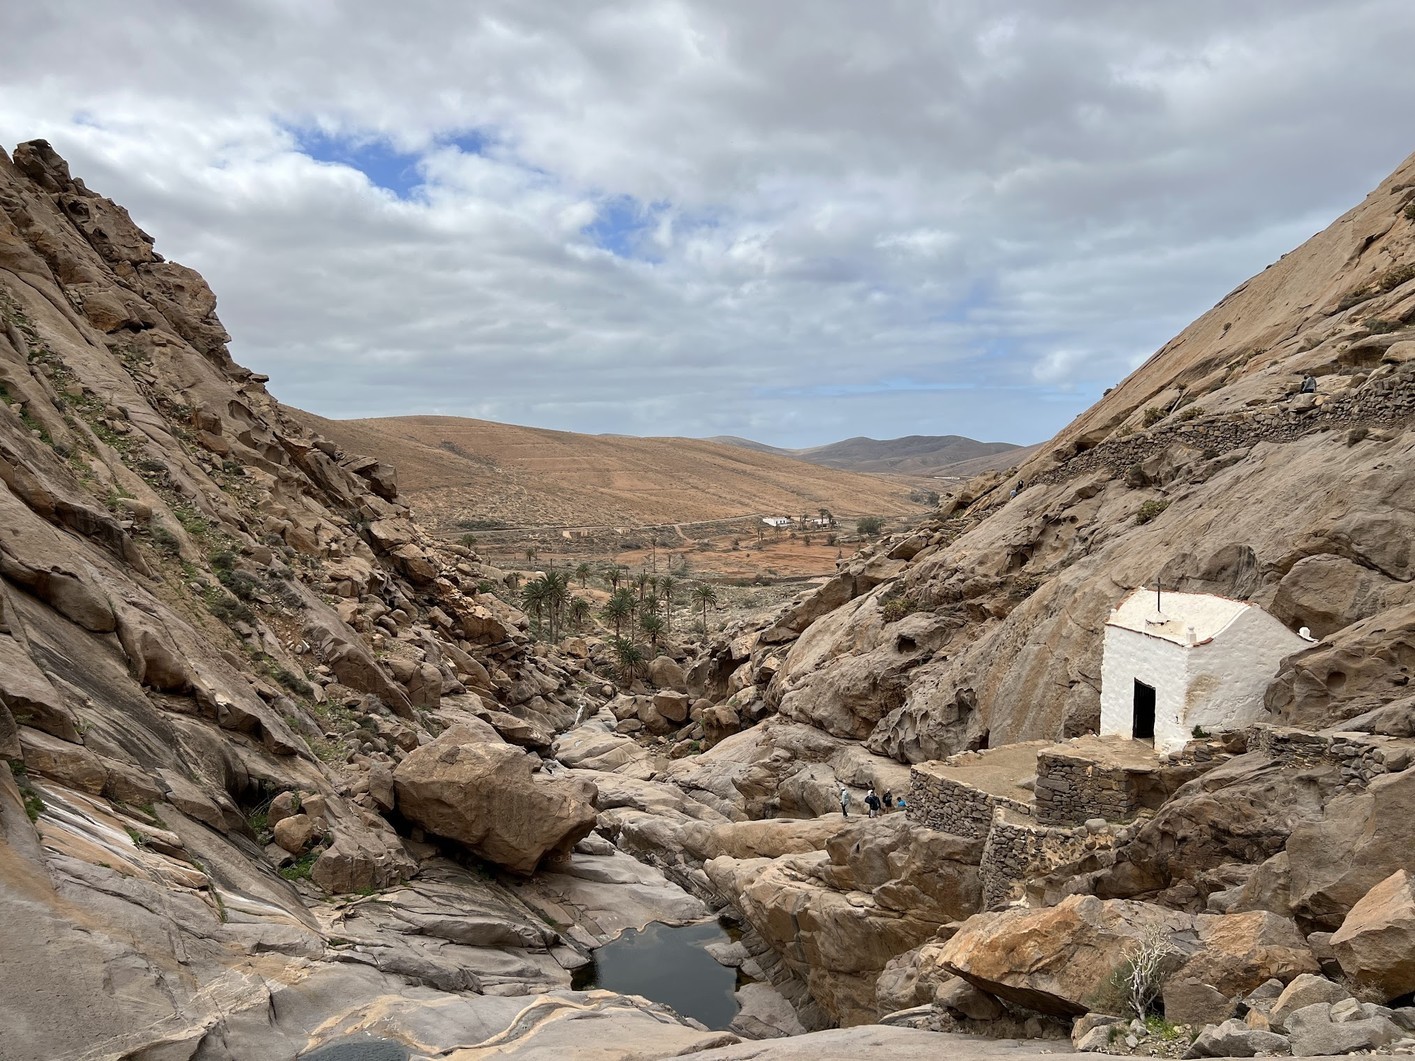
x: 285, y: 770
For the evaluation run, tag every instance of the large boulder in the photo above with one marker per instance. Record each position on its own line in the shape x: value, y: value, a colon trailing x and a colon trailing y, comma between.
x: 666, y: 673
x: 1233, y: 1038
x: 1054, y: 960
x: 484, y: 796
x: 1320, y: 1030
x: 836, y: 918
x: 1306, y: 990
x: 1375, y: 945
x: 1060, y: 960
x: 1365, y: 837
x: 1238, y: 952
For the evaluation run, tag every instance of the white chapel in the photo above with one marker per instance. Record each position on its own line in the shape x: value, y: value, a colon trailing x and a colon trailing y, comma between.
x: 1174, y: 662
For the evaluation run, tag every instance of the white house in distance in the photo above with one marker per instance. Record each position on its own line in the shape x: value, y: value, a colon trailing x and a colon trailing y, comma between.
x: 1193, y: 660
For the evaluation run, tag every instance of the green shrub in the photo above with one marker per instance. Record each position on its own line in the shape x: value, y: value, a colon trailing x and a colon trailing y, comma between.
x: 1149, y: 510
x: 869, y: 526
x: 1393, y: 278
x: 1355, y: 298
x: 239, y: 583
x: 1153, y: 415
x: 34, y: 803
x: 300, y: 869
x: 898, y: 608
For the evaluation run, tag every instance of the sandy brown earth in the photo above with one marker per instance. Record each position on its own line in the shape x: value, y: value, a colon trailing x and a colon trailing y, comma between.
x: 471, y: 474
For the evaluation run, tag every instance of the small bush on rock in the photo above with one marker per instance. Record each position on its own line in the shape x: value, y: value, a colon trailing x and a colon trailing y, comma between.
x: 1149, y: 510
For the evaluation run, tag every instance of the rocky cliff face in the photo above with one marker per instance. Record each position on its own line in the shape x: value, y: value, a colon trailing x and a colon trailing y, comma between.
x: 219, y: 635
x: 1205, y: 469
x: 1211, y: 469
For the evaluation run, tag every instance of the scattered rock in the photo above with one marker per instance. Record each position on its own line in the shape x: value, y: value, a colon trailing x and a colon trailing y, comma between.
x: 1233, y: 1038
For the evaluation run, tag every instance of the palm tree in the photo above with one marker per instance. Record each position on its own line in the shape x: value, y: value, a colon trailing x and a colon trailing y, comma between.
x: 630, y: 658
x: 531, y: 553
x: 614, y: 574
x: 703, y: 595
x: 666, y: 586
x: 579, y: 612
x: 535, y: 598
x: 642, y: 581
x: 617, y: 610
x: 583, y: 573
x: 652, y: 626
x: 557, y: 595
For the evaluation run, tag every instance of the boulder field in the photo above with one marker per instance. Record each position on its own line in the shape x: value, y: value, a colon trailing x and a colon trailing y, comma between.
x: 285, y: 771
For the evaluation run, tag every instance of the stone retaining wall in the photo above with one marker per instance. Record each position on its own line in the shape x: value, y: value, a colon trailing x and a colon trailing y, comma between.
x: 953, y: 807
x: 1072, y: 790
x: 1018, y: 849
x: 1361, y: 756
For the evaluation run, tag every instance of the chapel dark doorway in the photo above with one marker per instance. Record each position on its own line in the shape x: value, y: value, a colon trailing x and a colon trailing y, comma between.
x: 1144, y: 727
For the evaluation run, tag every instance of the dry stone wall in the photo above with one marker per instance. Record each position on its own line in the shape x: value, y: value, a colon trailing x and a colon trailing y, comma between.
x: 953, y: 807
x: 1072, y: 790
x: 1018, y: 849
x: 1386, y: 400
x: 1361, y: 756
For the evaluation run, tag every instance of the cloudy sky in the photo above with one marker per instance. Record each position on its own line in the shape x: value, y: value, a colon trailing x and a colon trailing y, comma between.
x: 793, y: 220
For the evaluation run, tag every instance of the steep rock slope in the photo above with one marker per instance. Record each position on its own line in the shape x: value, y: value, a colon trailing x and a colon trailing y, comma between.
x: 1210, y: 469
x: 1205, y: 469
x: 219, y: 636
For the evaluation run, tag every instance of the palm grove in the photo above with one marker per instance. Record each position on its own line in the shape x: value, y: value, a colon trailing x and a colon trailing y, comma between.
x: 639, y: 605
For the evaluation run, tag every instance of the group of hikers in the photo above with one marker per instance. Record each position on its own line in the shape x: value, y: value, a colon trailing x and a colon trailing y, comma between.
x: 877, y: 805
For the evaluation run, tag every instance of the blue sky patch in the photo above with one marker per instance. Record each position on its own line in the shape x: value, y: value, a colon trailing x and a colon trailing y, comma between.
x: 621, y: 225
x: 375, y: 157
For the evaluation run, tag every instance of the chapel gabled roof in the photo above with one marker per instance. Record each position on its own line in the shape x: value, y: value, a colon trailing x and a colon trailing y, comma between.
x: 1205, y: 613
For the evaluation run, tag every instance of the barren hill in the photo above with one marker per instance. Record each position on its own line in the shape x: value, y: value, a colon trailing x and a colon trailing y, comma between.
x: 920, y: 455
x: 455, y: 470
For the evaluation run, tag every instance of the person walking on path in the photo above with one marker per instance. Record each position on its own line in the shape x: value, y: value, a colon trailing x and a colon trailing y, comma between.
x: 844, y: 802
x: 888, y: 800
x: 872, y: 801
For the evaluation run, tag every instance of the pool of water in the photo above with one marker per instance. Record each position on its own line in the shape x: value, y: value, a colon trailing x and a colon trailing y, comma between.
x: 359, y: 1048
x: 667, y: 964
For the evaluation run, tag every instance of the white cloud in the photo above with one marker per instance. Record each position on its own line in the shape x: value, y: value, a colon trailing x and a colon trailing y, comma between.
x: 790, y: 221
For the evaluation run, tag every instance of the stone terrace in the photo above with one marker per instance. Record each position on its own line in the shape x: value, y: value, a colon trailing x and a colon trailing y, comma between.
x: 960, y: 794
x: 1111, y: 778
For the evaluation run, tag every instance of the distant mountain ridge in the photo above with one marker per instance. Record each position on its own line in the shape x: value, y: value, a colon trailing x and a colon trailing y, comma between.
x: 928, y: 455
x: 456, y: 470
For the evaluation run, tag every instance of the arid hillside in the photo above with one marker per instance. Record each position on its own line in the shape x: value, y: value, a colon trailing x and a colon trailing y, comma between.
x: 461, y: 472
x: 933, y: 456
